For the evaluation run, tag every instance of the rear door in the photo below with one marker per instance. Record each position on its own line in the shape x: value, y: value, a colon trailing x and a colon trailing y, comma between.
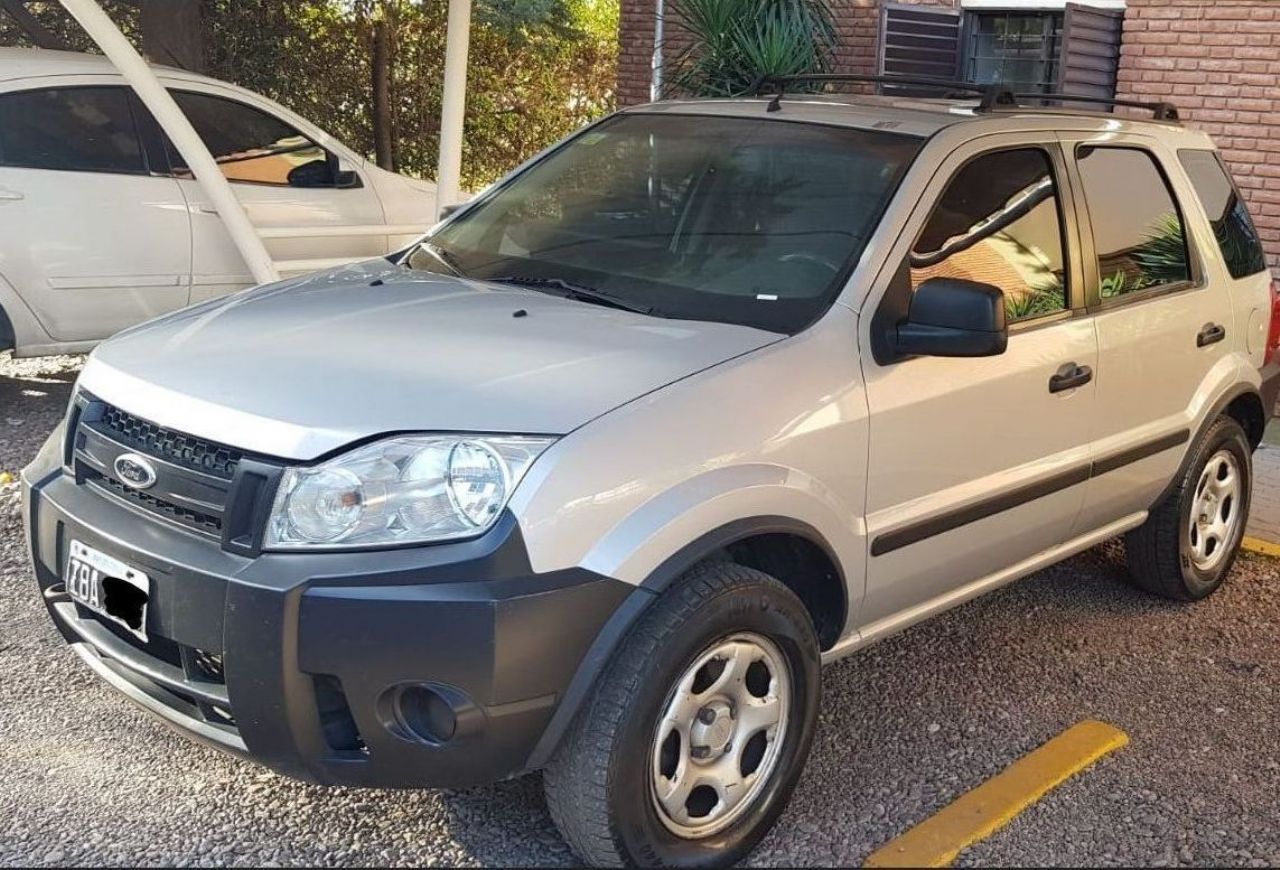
x: 978, y: 464
x: 286, y: 181
x: 94, y: 239
x: 1164, y: 320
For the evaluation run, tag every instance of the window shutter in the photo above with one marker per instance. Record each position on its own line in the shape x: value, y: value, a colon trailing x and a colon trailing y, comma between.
x: 921, y: 42
x: 1090, y: 51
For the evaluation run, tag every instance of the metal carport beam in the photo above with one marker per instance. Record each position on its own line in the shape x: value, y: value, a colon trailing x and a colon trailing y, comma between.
x: 453, y: 104
x: 179, y: 130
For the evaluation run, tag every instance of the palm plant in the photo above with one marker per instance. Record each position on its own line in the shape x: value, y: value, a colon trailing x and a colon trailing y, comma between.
x: 735, y: 42
x: 1049, y: 298
x: 1162, y: 258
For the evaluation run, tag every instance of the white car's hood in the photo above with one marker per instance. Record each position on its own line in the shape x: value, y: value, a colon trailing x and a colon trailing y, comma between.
x: 299, y: 369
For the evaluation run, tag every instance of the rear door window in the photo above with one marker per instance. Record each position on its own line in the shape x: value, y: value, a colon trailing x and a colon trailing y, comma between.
x: 1232, y: 226
x: 1137, y: 228
x: 70, y: 129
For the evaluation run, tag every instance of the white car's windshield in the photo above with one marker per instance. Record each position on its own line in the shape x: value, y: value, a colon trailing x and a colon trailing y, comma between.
x: 740, y: 220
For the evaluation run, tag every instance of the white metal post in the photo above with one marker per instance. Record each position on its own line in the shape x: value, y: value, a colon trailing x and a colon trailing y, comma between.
x: 657, y: 63
x: 184, y: 137
x: 454, y: 105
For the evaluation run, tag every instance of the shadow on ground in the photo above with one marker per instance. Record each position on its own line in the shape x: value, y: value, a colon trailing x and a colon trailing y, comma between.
x: 33, y: 395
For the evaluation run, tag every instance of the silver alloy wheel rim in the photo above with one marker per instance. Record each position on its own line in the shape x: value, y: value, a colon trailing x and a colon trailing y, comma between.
x: 720, y: 735
x: 1216, y: 512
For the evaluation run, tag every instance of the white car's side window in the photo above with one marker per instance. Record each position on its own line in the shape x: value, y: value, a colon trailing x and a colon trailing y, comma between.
x: 88, y: 129
x: 253, y: 146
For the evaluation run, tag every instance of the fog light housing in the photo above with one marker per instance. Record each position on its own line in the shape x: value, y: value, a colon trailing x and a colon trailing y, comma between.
x: 429, y: 713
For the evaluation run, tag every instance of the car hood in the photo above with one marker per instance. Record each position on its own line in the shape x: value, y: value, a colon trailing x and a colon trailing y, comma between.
x: 304, y: 367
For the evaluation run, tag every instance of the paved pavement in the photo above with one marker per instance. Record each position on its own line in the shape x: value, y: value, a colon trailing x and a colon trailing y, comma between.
x: 1264, y: 513
x: 906, y: 726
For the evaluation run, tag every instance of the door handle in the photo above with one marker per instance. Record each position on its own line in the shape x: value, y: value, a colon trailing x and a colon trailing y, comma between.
x: 1070, y: 376
x: 1212, y: 333
x: 7, y: 195
x: 205, y: 209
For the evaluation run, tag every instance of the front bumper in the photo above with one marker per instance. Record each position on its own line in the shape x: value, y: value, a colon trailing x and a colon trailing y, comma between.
x: 331, y: 667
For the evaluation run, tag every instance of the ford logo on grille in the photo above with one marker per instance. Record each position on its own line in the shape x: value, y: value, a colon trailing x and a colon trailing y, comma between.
x: 135, y: 471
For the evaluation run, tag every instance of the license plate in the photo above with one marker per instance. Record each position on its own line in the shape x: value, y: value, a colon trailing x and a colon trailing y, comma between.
x: 108, y: 587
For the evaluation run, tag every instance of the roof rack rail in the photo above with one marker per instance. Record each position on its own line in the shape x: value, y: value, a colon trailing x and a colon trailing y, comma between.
x: 1160, y: 111
x: 991, y: 95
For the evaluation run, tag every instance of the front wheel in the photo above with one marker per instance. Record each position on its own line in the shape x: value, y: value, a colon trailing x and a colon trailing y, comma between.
x: 692, y: 742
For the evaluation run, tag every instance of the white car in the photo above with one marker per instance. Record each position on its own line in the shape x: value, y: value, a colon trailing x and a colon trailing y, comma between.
x: 104, y: 227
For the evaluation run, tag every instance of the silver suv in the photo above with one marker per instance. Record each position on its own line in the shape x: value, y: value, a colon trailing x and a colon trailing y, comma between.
x: 595, y: 476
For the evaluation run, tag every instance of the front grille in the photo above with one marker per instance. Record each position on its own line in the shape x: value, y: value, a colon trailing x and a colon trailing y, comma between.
x: 192, y: 519
x: 185, y: 450
x: 188, y: 680
x: 201, y: 486
x: 207, y: 665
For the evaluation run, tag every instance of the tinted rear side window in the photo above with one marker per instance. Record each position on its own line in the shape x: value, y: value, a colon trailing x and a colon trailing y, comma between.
x: 1137, y: 228
x: 79, y: 129
x: 1232, y: 226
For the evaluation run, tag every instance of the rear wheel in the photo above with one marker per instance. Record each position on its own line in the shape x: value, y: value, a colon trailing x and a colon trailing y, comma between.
x: 693, y: 740
x: 1189, y: 543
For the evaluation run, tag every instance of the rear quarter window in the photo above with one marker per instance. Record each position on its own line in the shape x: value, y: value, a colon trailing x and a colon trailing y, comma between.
x: 1232, y: 227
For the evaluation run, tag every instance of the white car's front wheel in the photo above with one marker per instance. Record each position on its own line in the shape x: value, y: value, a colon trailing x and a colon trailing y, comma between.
x: 691, y: 743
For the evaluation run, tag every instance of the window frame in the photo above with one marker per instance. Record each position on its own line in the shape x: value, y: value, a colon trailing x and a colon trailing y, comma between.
x: 1052, y: 153
x: 1089, y: 249
x: 1053, y: 30
x: 144, y: 155
x: 893, y: 302
x: 330, y: 155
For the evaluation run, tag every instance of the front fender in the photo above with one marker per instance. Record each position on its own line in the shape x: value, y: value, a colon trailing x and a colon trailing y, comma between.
x: 644, y: 548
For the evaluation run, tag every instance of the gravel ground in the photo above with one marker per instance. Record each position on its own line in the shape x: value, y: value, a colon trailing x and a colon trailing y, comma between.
x: 85, y: 778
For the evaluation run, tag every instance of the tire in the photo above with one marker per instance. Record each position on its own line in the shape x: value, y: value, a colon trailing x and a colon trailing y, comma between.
x: 602, y: 783
x: 1173, y: 557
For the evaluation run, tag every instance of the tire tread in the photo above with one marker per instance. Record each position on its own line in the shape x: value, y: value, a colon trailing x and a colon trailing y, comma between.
x: 576, y: 780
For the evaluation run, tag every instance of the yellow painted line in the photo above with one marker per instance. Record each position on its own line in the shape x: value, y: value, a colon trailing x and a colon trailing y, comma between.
x: 979, y: 813
x: 1257, y: 545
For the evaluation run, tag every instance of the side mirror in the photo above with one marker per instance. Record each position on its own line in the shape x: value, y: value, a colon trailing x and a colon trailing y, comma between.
x: 449, y: 210
x: 313, y: 173
x: 954, y: 317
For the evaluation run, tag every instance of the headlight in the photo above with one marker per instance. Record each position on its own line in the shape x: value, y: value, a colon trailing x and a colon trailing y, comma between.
x: 407, y: 490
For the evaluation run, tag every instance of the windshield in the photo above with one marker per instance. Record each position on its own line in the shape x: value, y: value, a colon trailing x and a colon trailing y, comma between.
x: 738, y: 220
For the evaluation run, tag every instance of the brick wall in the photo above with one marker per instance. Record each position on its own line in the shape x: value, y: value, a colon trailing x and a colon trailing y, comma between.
x: 635, y: 51
x: 857, y: 29
x: 1219, y: 62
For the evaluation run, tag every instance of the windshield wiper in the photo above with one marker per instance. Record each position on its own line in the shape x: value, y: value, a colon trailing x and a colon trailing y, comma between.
x: 573, y: 290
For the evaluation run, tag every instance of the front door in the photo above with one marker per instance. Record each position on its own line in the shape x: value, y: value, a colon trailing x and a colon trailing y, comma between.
x: 977, y: 464
x: 93, y: 241
x: 284, y: 180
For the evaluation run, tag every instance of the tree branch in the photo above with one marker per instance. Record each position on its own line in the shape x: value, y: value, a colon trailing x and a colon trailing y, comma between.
x: 40, y: 35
